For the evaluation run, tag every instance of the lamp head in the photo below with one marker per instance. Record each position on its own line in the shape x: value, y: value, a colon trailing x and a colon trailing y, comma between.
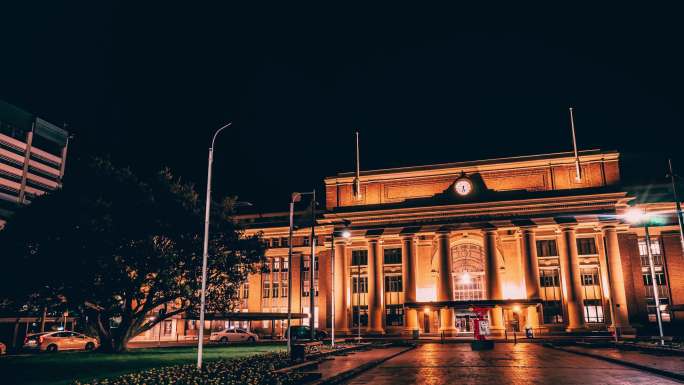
x: 346, y: 234
x: 296, y: 197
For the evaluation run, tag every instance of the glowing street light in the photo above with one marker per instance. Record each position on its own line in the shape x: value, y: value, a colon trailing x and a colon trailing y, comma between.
x: 637, y: 216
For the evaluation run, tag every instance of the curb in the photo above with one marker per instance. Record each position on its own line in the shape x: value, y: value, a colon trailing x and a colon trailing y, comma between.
x: 343, y: 376
x: 650, y: 369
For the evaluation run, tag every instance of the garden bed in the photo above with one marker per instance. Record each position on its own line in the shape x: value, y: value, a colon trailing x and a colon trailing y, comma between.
x: 254, y: 370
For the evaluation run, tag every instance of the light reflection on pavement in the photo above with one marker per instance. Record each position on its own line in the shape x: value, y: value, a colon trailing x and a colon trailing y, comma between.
x: 524, y: 363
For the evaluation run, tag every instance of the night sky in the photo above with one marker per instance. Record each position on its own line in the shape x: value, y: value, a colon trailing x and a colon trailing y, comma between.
x: 148, y: 83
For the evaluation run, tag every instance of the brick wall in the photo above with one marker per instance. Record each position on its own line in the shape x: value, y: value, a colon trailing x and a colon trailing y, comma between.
x: 675, y: 269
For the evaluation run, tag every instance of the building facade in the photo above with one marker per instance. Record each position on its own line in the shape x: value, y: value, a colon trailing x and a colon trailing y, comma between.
x: 32, y: 158
x: 523, y: 238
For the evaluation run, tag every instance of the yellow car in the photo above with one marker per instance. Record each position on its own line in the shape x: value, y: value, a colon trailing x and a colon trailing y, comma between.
x: 62, y: 340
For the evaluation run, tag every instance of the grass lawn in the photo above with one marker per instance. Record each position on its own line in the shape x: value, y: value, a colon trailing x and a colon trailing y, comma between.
x: 65, y: 367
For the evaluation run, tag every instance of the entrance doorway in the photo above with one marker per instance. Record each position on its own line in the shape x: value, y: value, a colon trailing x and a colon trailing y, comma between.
x: 464, y: 323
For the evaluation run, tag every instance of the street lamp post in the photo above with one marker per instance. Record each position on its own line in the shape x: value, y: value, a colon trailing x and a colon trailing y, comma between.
x: 638, y: 216
x: 296, y: 197
x: 206, y: 247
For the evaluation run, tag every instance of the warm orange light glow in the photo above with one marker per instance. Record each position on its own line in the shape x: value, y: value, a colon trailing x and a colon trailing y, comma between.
x: 516, y: 308
x: 465, y: 278
x: 426, y: 294
x: 426, y: 310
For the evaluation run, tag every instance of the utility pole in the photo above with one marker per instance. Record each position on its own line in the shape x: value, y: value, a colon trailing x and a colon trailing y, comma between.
x: 312, y: 266
x: 678, y: 206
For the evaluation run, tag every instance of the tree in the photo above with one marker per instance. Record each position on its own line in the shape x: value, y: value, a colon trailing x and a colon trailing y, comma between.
x: 120, y: 249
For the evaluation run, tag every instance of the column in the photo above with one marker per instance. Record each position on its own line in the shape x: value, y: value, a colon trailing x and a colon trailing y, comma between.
x: 531, y: 271
x: 617, y: 281
x: 492, y: 269
x: 445, y: 287
x: 408, y: 268
x: 569, y: 262
x: 375, y: 284
x: 341, y: 280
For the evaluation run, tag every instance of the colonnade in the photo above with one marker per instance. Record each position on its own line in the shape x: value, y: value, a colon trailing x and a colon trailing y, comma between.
x: 571, y: 285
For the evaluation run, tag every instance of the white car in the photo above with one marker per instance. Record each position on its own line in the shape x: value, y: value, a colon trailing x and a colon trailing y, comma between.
x: 233, y: 335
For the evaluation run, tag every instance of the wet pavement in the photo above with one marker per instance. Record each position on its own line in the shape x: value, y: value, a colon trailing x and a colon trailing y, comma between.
x: 435, y: 364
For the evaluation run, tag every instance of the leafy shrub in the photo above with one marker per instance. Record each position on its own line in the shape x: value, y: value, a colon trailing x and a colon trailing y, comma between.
x: 253, y: 370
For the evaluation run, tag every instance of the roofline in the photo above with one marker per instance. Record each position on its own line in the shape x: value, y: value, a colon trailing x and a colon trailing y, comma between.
x: 473, y: 166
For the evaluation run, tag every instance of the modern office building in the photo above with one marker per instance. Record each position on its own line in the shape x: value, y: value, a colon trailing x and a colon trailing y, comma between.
x: 522, y: 238
x: 32, y: 158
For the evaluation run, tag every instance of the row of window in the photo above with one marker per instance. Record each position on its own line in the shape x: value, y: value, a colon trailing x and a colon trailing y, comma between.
x: 393, y: 284
x: 391, y: 256
x: 548, y: 247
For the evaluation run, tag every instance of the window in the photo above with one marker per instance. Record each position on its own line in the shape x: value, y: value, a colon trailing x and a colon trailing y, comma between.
x: 307, y: 241
x: 360, y: 314
x: 359, y: 257
x: 284, y: 290
x: 275, y: 242
x: 664, y: 312
x: 359, y: 285
x: 552, y: 312
x: 275, y: 289
x: 547, y: 248
x: 593, y: 311
x: 394, y: 315
x: 549, y: 278
x: 245, y: 290
x: 392, y: 256
x: 586, y: 246
x: 393, y: 284
x: 267, y: 290
x: 655, y: 252
x: 168, y: 327
x: 589, y: 277
x: 285, y: 242
x: 660, y: 279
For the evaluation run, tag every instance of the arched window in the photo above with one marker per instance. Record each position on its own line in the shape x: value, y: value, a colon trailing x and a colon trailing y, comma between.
x: 467, y: 269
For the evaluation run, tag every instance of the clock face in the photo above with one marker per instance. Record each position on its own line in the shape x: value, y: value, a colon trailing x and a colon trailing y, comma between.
x: 463, y: 187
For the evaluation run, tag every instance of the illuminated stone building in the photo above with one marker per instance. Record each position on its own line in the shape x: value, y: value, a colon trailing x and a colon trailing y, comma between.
x: 32, y: 158
x: 522, y: 237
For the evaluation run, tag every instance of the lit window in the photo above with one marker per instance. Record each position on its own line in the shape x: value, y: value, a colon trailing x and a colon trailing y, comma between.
x: 593, y: 311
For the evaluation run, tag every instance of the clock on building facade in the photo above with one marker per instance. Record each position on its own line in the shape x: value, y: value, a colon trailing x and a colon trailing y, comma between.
x: 463, y: 186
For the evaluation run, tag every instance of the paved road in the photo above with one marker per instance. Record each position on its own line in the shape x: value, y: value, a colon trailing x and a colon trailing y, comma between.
x: 435, y: 364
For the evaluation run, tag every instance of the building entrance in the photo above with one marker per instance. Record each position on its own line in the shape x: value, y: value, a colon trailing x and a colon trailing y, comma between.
x: 464, y: 322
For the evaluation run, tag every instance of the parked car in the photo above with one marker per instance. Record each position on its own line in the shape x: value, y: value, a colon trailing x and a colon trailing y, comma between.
x: 303, y: 332
x: 3, y: 348
x: 61, y: 340
x: 233, y: 335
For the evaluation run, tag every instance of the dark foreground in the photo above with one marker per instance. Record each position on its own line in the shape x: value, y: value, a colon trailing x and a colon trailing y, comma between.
x: 508, y: 364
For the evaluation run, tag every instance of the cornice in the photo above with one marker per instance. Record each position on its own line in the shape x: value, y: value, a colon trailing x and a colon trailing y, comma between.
x: 488, y: 165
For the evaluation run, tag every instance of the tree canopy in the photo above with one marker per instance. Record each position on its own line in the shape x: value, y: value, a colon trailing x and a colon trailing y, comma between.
x: 115, y: 247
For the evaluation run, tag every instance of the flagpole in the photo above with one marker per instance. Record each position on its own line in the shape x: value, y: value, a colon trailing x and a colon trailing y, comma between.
x: 578, y: 172
x: 357, y: 178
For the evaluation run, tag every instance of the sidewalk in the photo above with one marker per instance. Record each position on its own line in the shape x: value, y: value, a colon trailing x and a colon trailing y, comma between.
x: 661, y: 363
x: 340, y: 368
